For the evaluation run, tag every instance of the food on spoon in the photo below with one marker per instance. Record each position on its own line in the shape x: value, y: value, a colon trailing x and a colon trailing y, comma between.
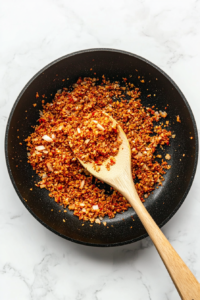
x: 95, y: 140
x: 60, y: 171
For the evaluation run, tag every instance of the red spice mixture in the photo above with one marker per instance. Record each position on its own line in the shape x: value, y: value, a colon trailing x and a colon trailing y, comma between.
x: 60, y: 171
x: 96, y: 139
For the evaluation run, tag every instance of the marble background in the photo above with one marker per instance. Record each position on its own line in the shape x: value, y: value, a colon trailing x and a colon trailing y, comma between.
x: 34, y: 262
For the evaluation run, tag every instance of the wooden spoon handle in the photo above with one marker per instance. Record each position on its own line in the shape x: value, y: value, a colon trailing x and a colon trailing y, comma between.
x: 185, y: 282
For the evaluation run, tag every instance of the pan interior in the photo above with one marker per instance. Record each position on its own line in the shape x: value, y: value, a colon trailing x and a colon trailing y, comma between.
x: 115, y: 65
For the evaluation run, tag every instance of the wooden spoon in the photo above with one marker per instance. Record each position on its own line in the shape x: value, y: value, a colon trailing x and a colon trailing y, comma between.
x: 120, y: 178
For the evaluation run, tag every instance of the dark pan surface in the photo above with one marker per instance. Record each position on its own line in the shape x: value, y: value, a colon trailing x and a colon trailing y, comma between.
x: 114, y: 64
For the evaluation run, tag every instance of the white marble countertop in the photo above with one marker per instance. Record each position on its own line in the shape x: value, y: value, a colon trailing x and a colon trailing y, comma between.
x: 34, y: 262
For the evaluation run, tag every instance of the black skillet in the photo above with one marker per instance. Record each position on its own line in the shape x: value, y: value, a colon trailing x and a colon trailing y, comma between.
x: 114, y: 64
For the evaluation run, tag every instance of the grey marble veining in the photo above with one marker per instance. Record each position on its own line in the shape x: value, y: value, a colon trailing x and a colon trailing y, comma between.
x: 35, y: 263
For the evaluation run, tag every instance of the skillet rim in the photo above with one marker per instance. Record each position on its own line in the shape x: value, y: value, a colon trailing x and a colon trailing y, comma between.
x: 173, y: 84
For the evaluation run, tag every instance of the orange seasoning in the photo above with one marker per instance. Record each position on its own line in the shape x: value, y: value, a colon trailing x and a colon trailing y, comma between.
x: 70, y: 119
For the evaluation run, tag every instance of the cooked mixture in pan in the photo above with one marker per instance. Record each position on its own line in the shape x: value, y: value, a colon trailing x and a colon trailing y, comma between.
x: 74, y: 120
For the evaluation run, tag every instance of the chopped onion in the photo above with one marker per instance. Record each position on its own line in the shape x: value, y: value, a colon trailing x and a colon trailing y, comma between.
x: 49, y: 166
x: 44, y: 175
x: 67, y: 112
x: 60, y: 127
x: 59, y: 91
x: 82, y: 184
x: 95, y: 207
x: 47, y: 138
x: 97, y: 221
x: 94, y: 121
x: 53, y: 136
x: 66, y: 200
x: 100, y: 127
x: 168, y: 156
x: 163, y: 114
x: 138, y: 155
x: 145, y: 167
x: 84, y: 210
x: 39, y: 148
x: 28, y: 154
x: 82, y: 204
x: 42, y: 186
x: 78, y: 129
x: 87, y: 141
